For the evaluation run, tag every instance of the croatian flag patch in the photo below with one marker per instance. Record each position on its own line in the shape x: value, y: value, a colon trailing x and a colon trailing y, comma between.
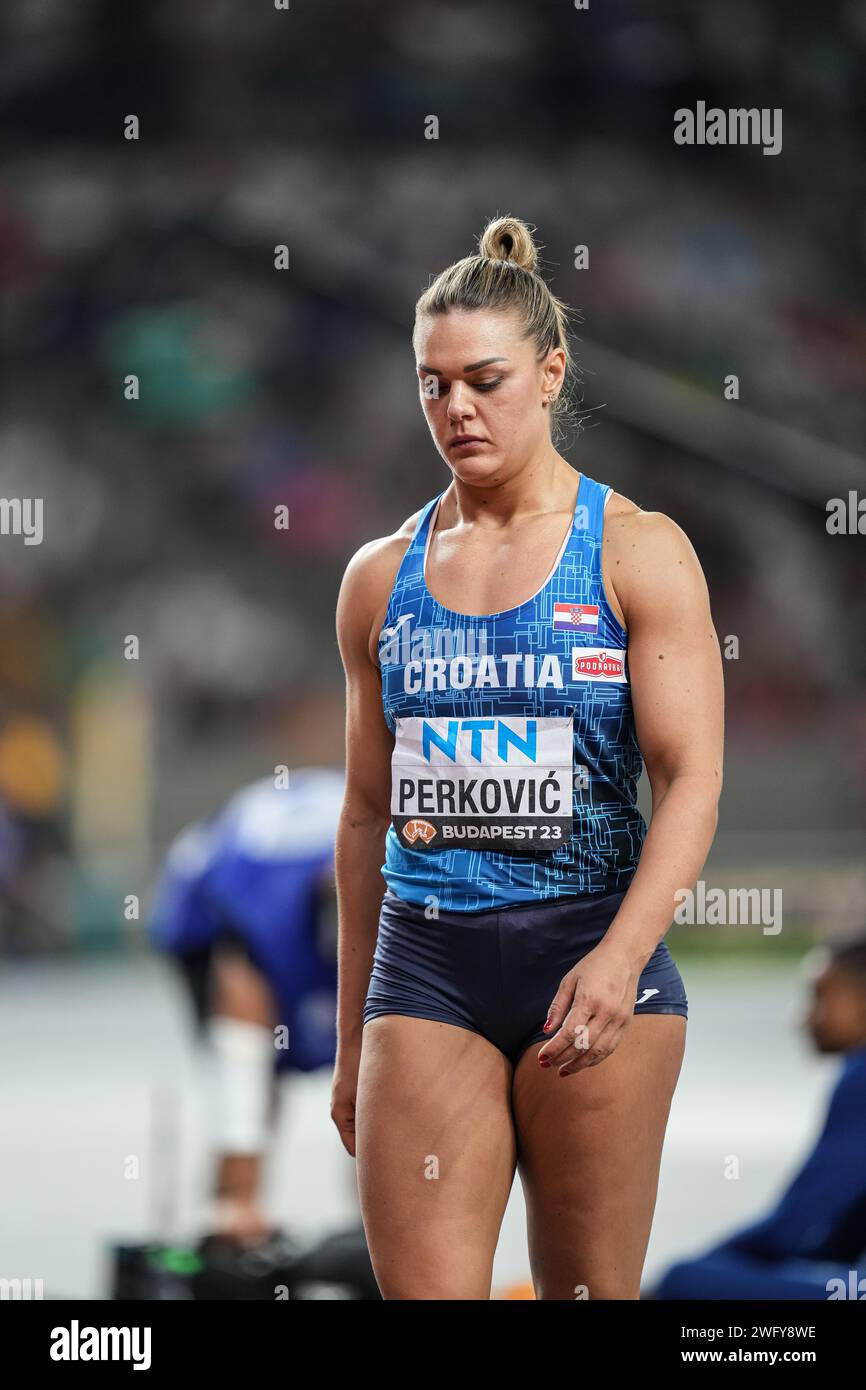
x: 575, y: 617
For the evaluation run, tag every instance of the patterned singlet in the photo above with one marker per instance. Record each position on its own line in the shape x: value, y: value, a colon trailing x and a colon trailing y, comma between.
x: 515, y: 764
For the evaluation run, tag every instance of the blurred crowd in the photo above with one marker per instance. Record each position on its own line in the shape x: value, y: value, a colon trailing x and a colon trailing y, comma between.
x: 261, y: 387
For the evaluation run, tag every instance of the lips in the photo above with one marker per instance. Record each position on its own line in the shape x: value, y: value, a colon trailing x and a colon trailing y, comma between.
x: 466, y: 439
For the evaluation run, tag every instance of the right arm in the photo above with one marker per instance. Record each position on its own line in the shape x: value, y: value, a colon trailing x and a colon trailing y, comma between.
x: 366, y: 814
x: 366, y: 811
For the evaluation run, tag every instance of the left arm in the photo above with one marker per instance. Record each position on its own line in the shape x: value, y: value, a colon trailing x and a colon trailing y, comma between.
x: 675, y: 668
x: 675, y: 671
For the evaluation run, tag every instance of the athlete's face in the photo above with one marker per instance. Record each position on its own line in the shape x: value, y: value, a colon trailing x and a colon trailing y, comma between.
x: 478, y: 375
x: 837, y: 1016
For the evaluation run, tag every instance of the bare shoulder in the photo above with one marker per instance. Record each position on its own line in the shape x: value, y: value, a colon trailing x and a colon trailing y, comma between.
x: 647, y: 554
x: 367, y: 584
x: 378, y: 561
x: 636, y: 536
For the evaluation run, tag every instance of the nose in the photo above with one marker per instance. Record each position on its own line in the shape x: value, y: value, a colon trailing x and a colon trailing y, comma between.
x: 459, y: 402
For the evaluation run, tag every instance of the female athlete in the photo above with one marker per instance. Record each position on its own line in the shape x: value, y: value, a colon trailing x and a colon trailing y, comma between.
x: 512, y: 653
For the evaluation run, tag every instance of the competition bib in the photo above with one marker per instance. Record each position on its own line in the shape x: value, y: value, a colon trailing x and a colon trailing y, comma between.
x: 496, y: 784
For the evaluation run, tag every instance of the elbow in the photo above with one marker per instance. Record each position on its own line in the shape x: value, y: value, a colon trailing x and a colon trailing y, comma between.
x: 362, y: 813
x: 703, y: 791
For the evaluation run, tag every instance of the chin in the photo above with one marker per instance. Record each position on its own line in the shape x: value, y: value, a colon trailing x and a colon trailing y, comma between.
x: 481, y: 471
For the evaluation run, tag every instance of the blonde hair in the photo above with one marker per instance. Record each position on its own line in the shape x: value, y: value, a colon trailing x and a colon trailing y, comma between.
x: 504, y: 276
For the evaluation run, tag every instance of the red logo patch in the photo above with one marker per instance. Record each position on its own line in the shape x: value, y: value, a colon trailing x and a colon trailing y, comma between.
x: 601, y: 665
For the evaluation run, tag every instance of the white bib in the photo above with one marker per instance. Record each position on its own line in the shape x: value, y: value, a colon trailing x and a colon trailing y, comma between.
x: 503, y: 784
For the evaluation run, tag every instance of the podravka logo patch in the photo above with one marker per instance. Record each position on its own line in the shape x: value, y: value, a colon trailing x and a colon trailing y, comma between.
x: 598, y: 664
x: 419, y: 830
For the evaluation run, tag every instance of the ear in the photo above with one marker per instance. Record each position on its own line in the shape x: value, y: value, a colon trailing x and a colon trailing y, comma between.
x: 553, y: 374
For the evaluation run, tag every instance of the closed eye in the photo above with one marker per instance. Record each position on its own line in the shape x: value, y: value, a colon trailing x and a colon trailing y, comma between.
x: 479, y: 385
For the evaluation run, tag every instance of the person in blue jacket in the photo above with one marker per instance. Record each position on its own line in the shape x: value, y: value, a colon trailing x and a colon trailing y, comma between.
x: 246, y: 906
x: 812, y: 1245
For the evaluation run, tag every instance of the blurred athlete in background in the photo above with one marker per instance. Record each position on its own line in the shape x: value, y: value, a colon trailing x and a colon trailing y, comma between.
x: 246, y: 904
x: 512, y: 654
x: 812, y: 1245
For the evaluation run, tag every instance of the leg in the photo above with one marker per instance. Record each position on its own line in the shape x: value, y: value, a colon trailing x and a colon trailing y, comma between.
x: 589, y: 1156
x: 435, y: 1156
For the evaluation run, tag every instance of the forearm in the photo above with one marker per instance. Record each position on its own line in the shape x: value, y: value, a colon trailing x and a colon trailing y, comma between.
x: 360, y: 849
x: 674, y: 852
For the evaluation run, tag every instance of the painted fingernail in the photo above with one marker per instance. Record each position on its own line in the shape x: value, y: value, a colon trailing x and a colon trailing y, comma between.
x: 543, y: 1062
x: 548, y: 1025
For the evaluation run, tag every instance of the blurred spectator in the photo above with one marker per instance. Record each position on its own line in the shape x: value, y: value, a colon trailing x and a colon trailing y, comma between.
x: 812, y: 1245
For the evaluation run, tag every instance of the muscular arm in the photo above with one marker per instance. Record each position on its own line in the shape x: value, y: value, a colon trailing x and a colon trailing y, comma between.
x: 366, y: 814
x: 678, y: 699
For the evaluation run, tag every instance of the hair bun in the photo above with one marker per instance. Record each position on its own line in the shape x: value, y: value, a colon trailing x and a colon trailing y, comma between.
x: 508, y: 239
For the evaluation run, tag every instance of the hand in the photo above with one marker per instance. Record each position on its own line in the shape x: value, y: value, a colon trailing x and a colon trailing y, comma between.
x: 592, y: 1007
x: 344, y: 1089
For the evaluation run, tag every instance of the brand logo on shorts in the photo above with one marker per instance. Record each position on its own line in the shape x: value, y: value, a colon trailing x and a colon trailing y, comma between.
x: 598, y: 664
x: 419, y: 830
x: 647, y: 994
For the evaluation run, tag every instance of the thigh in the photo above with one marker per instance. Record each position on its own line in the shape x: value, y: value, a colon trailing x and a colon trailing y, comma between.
x: 589, y: 1155
x: 435, y: 1155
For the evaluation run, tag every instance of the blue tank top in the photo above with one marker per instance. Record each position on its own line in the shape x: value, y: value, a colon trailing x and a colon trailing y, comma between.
x: 515, y: 763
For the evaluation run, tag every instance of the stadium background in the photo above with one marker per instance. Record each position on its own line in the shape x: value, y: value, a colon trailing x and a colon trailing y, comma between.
x: 261, y: 386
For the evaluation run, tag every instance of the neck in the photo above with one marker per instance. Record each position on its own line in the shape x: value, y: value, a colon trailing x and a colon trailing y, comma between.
x: 545, y: 484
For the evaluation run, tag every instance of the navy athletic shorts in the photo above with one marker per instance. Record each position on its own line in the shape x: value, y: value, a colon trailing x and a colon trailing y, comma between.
x: 496, y: 972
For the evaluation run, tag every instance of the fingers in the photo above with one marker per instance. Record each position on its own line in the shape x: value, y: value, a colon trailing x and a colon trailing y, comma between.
x: 563, y: 1001
x: 583, y: 1041
x: 343, y: 1116
x: 572, y: 1038
x: 598, y: 1049
x: 572, y: 1007
x: 590, y: 1023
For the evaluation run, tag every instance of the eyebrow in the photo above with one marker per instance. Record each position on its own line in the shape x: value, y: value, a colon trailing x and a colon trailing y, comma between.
x: 472, y: 367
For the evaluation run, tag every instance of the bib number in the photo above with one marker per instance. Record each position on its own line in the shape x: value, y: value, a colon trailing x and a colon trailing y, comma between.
x: 503, y: 785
